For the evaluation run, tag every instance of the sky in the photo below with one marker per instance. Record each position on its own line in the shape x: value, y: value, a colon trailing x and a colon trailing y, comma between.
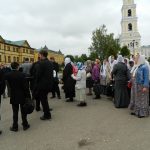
x: 66, y: 24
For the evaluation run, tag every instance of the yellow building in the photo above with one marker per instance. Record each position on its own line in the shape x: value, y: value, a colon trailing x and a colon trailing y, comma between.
x: 59, y: 57
x: 15, y: 51
x: 11, y: 51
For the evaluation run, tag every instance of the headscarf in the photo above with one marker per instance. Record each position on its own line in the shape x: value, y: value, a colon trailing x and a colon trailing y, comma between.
x: 147, y: 63
x: 80, y: 65
x: 120, y: 58
x: 141, y: 60
x: 67, y: 60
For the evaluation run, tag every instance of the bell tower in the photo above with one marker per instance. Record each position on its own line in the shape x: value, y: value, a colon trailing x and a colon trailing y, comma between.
x: 130, y: 36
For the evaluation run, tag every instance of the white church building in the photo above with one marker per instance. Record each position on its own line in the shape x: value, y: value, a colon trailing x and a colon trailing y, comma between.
x: 130, y: 35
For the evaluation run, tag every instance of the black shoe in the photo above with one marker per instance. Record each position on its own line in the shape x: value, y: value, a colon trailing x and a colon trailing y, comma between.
x: 50, y: 109
x: 141, y: 116
x: 132, y: 113
x: 0, y: 132
x: 97, y: 97
x: 52, y: 97
x: 45, y: 118
x: 69, y: 100
x: 26, y: 127
x: 82, y: 104
x: 13, y: 129
x: 38, y: 109
x: 59, y: 97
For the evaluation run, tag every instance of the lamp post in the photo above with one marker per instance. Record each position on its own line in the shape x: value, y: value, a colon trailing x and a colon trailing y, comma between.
x: 132, y: 44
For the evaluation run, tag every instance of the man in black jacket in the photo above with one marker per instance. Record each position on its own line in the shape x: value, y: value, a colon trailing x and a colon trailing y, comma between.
x: 44, y: 81
x: 19, y: 90
x: 2, y: 89
x: 55, y: 88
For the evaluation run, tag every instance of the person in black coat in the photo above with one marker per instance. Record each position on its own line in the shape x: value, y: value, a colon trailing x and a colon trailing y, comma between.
x: 2, y: 89
x: 69, y: 82
x: 43, y: 83
x: 19, y: 90
x: 55, y: 88
x: 33, y: 73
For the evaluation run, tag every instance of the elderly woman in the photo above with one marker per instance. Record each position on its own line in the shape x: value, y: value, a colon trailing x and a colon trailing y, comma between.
x: 80, y: 84
x: 120, y: 72
x: 96, y: 79
x: 69, y: 82
x: 133, y: 85
x: 141, y: 108
x: 89, y: 81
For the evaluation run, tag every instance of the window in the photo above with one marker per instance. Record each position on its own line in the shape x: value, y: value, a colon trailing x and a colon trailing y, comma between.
x: 8, y: 48
x: 0, y: 46
x: 17, y: 59
x: 14, y: 59
x: 23, y: 50
x: 9, y: 59
x: 0, y: 58
x: 17, y: 49
x: 31, y: 59
x: 14, y: 49
x: 129, y: 27
x: 129, y: 13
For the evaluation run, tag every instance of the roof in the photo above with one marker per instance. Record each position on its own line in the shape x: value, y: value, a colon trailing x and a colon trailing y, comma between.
x: 18, y: 43
x: 47, y: 49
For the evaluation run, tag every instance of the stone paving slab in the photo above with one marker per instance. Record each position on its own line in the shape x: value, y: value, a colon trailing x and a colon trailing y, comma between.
x: 99, y: 126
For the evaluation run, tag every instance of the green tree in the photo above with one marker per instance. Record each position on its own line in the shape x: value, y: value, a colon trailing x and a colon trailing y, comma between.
x: 93, y: 56
x: 84, y: 57
x: 104, y: 44
x: 125, y: 51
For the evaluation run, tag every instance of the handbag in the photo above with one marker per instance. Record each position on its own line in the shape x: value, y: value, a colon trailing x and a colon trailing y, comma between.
x: 28, y: 107
x: 88, y: 75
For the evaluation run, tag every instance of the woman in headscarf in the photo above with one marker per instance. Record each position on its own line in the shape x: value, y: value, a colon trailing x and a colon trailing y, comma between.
x: 141, y: 108
x: 133, y: 85
x: 80, y: 84
x: 69, y: 82
x: 103, y: 74
x: 89, y: 81
x: 120, y: 72
x: 96, y: 79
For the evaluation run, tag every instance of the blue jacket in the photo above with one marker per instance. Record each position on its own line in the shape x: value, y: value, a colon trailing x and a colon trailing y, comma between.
x: 142, y: 75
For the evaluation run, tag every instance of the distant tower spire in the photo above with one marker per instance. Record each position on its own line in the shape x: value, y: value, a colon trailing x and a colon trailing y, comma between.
x: 130, y: 36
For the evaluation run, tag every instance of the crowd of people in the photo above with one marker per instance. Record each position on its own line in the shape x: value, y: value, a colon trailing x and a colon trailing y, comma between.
x: 125, y: 81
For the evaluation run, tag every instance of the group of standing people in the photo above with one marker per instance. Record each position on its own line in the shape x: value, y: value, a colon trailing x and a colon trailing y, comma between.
x: 127, y: 81
x: 30, y: 81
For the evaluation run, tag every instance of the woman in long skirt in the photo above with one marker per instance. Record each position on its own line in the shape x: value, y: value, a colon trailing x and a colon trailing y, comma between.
x: 141, y: 108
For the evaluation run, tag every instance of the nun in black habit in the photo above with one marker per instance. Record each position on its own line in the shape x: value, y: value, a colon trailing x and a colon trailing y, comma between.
x: 121, y: 76
x: 69, y: 82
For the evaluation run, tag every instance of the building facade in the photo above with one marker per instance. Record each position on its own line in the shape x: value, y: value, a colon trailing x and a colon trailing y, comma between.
x: 145, y: 50
x: 130, y: 36
x: 15, y: 51
x: 59, y: 57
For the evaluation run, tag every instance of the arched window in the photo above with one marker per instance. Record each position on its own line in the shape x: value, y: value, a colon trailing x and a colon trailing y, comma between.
x: 129, y: 13
x: 14, y: 59
x: 129, y: 27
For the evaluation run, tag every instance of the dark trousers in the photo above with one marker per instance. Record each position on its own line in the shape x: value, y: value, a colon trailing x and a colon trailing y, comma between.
x: 42, y: 97
x: 55, y: 89
x: 15, y: 108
